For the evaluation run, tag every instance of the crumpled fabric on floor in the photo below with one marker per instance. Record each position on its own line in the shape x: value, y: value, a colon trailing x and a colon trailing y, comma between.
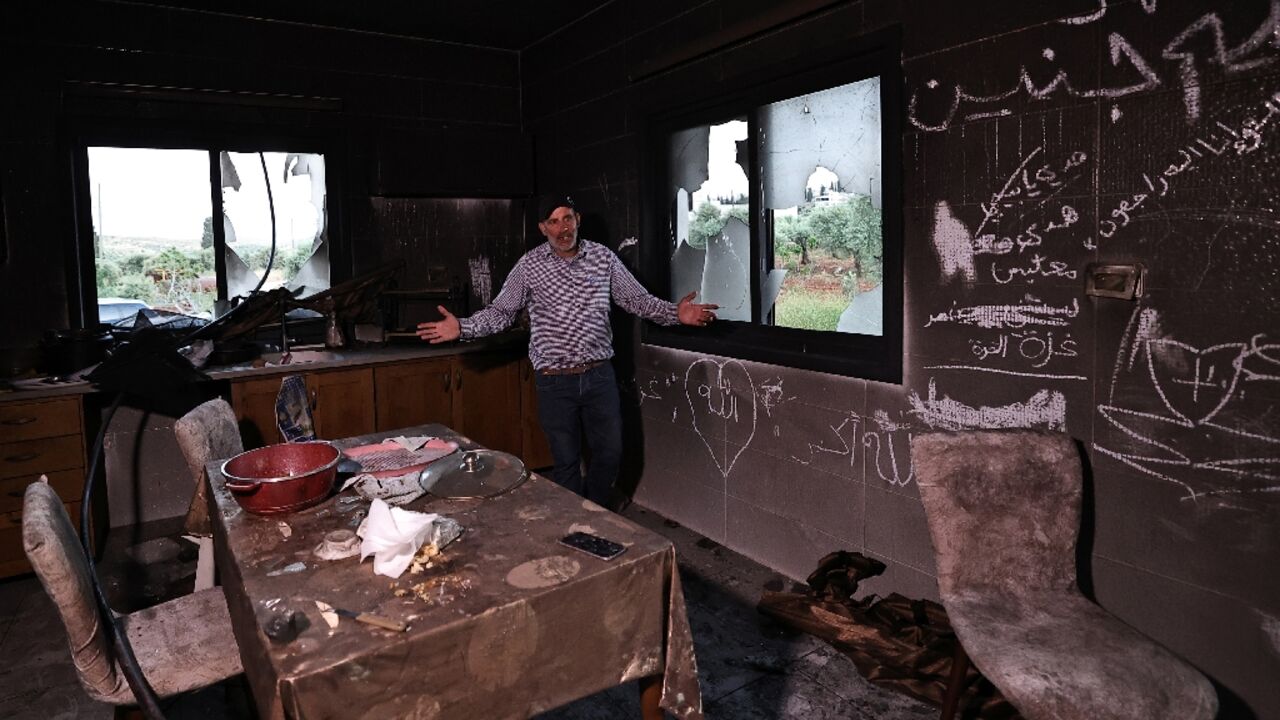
x: 895, y: 641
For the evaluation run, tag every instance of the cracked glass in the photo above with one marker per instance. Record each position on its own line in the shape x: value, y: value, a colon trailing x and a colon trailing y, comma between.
x: 154, y: 240
x: 821, y: 239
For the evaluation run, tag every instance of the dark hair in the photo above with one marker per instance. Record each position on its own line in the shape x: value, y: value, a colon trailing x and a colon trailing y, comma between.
x: 547, y: 204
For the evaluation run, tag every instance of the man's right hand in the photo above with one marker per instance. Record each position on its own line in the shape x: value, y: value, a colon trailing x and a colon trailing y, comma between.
x: 442, y: 330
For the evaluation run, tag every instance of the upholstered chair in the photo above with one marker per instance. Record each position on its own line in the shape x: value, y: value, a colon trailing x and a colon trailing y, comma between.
x: 181, y: 645
x: 1003, y: 508
x: 206, y: 433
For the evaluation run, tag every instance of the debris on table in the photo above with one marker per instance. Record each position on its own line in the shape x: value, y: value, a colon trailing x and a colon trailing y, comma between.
x: 285, y: 530
x: 327, y: 613
x: 338, y: 545
x: 288, y: 569
x: 394, y: 535
x: 285, y: 627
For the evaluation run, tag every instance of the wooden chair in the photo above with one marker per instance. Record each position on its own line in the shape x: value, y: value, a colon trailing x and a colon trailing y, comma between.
x: 208, y: 432
x: 1003, y: 508
x: 183, y: 644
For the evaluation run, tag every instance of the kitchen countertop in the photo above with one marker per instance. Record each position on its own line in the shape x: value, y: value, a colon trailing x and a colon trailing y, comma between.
x: 512, y: 340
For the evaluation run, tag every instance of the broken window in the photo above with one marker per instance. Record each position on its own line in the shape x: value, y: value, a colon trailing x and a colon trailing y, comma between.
x: 156, y: 240
x: 820, y: 173
x: 775, y: 209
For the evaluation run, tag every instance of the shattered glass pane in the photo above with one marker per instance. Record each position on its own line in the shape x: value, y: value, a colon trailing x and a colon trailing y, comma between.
x: 301, y: 221
x: 710, y: 234
x: 821, y: 170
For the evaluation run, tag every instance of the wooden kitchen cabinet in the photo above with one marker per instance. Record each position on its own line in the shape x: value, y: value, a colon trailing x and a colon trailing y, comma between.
x: 342, y: 405
x: 486, y: 401
x: 535, y: 448
x: 342, y: 402
x: 414, y: 393
x: 481, y: 395
x: 476, y: 394
x: 40, y: 437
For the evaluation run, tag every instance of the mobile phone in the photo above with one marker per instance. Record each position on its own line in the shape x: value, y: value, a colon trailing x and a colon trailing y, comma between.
x: 593, y: 545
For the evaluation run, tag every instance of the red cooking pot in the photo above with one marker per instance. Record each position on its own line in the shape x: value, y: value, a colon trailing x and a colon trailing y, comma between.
x: 282, y: 478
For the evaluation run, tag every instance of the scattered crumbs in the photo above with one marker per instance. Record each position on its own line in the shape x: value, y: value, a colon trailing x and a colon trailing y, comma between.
x: 285, y: 530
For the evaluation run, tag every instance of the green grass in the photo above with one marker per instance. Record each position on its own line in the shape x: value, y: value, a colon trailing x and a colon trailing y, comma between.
x: 809, y: 311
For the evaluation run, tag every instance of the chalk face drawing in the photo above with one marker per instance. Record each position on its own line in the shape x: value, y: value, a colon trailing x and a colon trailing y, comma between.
x: 722, y: 397
x: 1200, y: 436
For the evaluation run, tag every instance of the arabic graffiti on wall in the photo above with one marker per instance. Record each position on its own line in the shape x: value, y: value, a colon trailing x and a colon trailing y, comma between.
x: 934, y: 106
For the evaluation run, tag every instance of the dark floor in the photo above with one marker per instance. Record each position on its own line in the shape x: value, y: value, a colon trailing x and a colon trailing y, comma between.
x: 749, y: 667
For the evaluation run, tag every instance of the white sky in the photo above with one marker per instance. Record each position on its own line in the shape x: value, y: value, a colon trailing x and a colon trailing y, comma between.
x: 153, y: 193
x: 725, y: 177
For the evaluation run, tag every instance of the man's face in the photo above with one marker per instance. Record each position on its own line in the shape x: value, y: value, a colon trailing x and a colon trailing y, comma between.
x: 561, y: 229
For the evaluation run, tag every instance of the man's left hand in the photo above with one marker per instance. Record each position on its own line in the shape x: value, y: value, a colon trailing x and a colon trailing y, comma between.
x: 692, y: 313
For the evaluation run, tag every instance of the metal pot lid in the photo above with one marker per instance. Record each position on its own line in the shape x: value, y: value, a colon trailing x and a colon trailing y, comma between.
x: 473, y: 474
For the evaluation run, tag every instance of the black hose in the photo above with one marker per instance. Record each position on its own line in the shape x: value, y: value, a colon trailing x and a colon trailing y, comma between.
x: 271, y: 259
x: 143, y: 693
x: 271, y: 205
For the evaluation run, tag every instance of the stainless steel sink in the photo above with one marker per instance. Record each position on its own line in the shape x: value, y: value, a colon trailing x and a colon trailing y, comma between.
x: 299, y: 357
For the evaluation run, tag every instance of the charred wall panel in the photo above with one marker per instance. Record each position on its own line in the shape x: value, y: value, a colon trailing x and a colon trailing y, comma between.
x: 1040, y: 138
x: 404, y: 116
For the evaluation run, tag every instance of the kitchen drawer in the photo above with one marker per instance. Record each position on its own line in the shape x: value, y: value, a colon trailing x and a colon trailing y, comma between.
x: 69, y: 484
x: 40, y: 456
x: 13, y: 559
x: 34, y: 420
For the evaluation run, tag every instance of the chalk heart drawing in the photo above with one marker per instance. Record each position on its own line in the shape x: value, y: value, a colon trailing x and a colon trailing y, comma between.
x: 722, y: 395
x: 1194, y: 383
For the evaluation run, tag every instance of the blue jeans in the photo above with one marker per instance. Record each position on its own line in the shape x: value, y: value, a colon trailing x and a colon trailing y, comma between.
x: 571, y: 407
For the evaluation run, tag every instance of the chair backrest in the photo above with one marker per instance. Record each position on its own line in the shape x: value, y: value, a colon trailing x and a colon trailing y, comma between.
x: 206, y: 433
x: 54, y: 551
x: 1003, y: 508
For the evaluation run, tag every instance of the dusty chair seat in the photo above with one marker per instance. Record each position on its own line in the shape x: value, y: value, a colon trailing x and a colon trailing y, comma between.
x: 1003, y: 508
x: 1069, y: 658
x: 181, y: 645
x: 184, y: 644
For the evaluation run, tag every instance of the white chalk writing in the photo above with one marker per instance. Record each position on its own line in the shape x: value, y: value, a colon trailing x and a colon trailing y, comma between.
x: 1201, y: 44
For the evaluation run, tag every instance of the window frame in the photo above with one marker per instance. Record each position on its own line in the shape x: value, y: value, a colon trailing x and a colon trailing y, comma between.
x: 863, y: 356
x: 82, y: 277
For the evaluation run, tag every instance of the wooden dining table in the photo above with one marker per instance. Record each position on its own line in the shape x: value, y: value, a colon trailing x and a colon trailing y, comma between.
x: 504, y: 623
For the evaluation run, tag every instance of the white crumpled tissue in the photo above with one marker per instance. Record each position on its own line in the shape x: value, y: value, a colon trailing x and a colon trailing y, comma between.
x: 392, y: 536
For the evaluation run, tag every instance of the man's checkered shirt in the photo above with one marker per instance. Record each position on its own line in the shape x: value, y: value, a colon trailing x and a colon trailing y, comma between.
x: 568, y: 303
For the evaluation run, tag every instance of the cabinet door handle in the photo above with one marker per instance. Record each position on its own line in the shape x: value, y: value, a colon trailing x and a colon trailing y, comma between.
x: 445, y: 376
x: 315, y: 399
x: 459, y: 385
x: 23, y: 457
x: 20, y: 421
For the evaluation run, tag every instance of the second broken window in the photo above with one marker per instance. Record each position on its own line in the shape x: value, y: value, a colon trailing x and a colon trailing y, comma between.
x: 791, y: 190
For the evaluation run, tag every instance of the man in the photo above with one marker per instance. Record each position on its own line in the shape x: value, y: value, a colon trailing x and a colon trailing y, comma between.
x: 567, y: 283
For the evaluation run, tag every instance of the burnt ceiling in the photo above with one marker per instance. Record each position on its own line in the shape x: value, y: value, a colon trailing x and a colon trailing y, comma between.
x: 504, y: 24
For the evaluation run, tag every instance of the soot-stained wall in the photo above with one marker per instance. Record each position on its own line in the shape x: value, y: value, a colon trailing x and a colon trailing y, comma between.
x: 402, y: 120
x: 1040, y: 137
x: 423, y: 137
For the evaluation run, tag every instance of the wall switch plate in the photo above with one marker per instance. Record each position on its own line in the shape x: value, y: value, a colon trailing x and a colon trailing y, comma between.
x: 1123, y: 282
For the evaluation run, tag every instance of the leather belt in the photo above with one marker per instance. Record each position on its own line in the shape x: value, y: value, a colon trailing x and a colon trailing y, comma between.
x: 575, y: 370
